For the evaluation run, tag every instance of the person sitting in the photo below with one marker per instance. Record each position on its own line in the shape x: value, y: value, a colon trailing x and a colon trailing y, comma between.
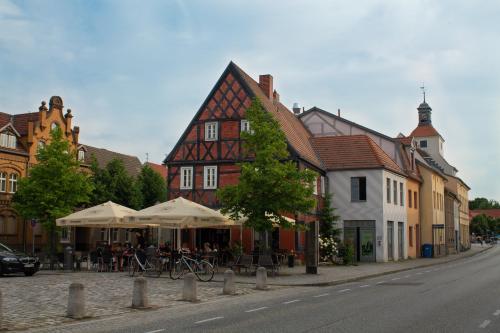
x: 185, y: 248
x: 206, y: 248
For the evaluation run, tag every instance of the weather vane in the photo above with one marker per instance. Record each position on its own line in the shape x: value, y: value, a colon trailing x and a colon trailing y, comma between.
x: 423, y: 90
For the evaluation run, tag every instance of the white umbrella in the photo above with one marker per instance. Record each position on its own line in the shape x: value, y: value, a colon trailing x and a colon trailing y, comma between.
x: 179, y: 213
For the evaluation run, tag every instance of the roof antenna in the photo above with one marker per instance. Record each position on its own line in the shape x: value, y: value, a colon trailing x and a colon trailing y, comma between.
x: 147, y: 157
x: 423, y: 90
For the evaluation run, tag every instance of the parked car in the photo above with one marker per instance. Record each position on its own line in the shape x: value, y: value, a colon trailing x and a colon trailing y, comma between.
x: 17, y: 262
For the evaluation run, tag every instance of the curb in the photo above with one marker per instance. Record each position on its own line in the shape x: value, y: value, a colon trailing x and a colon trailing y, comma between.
x: 359, y: 278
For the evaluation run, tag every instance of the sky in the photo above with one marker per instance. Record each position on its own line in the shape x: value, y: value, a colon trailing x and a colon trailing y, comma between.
x: 134, y: 73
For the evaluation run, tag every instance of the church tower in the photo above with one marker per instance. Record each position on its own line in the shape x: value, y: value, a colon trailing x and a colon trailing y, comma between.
x: 424, y: 114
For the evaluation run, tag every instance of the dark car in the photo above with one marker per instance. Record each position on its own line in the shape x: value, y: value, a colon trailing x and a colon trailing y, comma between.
x: 17, y: 262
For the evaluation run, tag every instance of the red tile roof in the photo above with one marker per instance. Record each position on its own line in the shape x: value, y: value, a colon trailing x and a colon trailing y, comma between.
x: 348, y: 152
x: 495, y: 213
x: 161, y: 169
x: 103, y: 156
x: 296, y: 133
x: 424, y: 130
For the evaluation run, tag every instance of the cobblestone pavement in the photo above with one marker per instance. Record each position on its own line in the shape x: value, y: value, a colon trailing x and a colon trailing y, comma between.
x: 41, y: 300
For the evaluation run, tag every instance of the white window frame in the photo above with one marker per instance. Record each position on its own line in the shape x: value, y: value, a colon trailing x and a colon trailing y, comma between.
x: 3, y: 182
x: 81, y: 155
x: 211, y: 131
x: 65, y: 235
x: 323, y: 185
x: 8, y: 140
x: 245, y: 126
x: 210, y: 177
x: 13, y: 183
x: 186, y: 183
x: 315, y: 186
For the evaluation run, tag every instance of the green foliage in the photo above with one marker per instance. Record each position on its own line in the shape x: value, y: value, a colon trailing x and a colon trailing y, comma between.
x: 55, y: 185
x: 483, y: 203
x: 346, y: 252
x: 114, y: 184
x: 271, y: 184
x: 328, y: 219
x: 152, y: 186
x: 483, y: 225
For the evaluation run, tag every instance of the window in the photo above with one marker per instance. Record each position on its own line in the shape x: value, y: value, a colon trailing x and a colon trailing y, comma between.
x: 245, y: 125
x: 53, y: 126
x: 3, y: 182
x: 412, y: 157
x: 410, y: 236
x: 65, y: 234
x: 434, y: 199
x: 423, y: 143
x: 401, y: 195
x: 114, y: 235
x: 40, y: 145
x: 186, y: 178
x: 388, y: 188
x: 81, y: 155
x: 104, y: 234
x: 211, y: 131
x: 13, y: 183
x: 409, y: 198
x: 415, y: 196
x: 395, y: 189
x: 210, y: 177
x: 8, y: 140
x: 128, y: 236
x: 323, y: 189
x: 315, y: 186
x: 358, y: 188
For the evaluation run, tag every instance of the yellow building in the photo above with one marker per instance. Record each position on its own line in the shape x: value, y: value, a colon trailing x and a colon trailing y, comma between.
x: 432, y: 213
x: 20, y: 137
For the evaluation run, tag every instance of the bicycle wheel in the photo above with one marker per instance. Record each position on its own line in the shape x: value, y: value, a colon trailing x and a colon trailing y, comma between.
x: 177, y: 270
x: 132, y: 266
x: 204, y: 270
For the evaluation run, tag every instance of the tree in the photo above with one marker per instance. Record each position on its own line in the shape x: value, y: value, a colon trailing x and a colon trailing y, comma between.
x: 484, y: 225
x: 54, y: 187
x: 270, y: 184
x: 327, y: 219
x: 114, y: 184
x: 483, y: 203
x: 152, y: 186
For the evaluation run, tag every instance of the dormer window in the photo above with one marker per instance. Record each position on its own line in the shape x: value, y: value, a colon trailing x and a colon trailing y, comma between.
x: 81, y: 155
x: 8, y: 140
x: 211, y: 131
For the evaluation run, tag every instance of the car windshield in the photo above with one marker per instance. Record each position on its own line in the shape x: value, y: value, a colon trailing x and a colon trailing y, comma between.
x: 5, y: 248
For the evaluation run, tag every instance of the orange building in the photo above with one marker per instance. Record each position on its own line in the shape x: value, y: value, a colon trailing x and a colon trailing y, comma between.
x: 20, y: 137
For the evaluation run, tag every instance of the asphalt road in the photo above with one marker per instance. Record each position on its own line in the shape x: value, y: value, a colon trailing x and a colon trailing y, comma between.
x: 461, y: 296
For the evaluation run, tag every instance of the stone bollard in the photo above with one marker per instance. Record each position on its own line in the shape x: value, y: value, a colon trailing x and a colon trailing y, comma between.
x: 229, y: 288
x: 140, y: 294
x: 190, y: 288
x: 76, y: 301
x: 261, y: 278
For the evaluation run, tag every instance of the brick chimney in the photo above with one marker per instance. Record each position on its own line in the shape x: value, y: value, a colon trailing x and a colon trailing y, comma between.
x: 276, y: 97
x: 266, y: 84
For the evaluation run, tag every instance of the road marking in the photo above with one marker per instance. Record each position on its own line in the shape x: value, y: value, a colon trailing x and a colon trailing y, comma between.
x: 344, y: 290
x: 380, y: 282
x: 496, y: 313
x: 407, y: 276
x: 322, y: 295
x: 485, y: 323
x: 209, y: 319
x: 428, y: 271
x: 292, y: 301
x: 156, y: 331
x: 364, y: 286
x: 395, y: 279
x: 258, y: 309
x: 420, y: 273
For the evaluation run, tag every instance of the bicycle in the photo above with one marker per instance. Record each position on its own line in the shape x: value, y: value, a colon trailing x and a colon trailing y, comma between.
x: 203, y: 270
x: 152, y: 266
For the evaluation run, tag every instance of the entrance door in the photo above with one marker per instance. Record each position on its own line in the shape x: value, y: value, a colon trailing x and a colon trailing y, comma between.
x: 390, y: 240
x: 400, y: 240
x: 367, y: 241
x: 350, y: 237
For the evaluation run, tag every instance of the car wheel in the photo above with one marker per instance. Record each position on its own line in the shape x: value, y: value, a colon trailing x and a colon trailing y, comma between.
x: 29, y: 273
x: 1, y: 270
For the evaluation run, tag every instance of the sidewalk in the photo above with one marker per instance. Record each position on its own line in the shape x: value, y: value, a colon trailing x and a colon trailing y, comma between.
x: 331, y: 275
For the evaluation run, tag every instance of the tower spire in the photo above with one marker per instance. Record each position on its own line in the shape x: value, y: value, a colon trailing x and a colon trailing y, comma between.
x: 423, y: 90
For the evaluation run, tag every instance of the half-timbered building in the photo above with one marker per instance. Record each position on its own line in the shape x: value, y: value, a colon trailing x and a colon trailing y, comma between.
x: 205, y: 157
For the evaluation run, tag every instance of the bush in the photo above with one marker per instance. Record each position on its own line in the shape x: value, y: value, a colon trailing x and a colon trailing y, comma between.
x: 328, y: 248
x: 346, y: 252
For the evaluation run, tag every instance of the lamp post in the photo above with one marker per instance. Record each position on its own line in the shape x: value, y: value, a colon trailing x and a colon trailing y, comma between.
x: 33, y: 225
